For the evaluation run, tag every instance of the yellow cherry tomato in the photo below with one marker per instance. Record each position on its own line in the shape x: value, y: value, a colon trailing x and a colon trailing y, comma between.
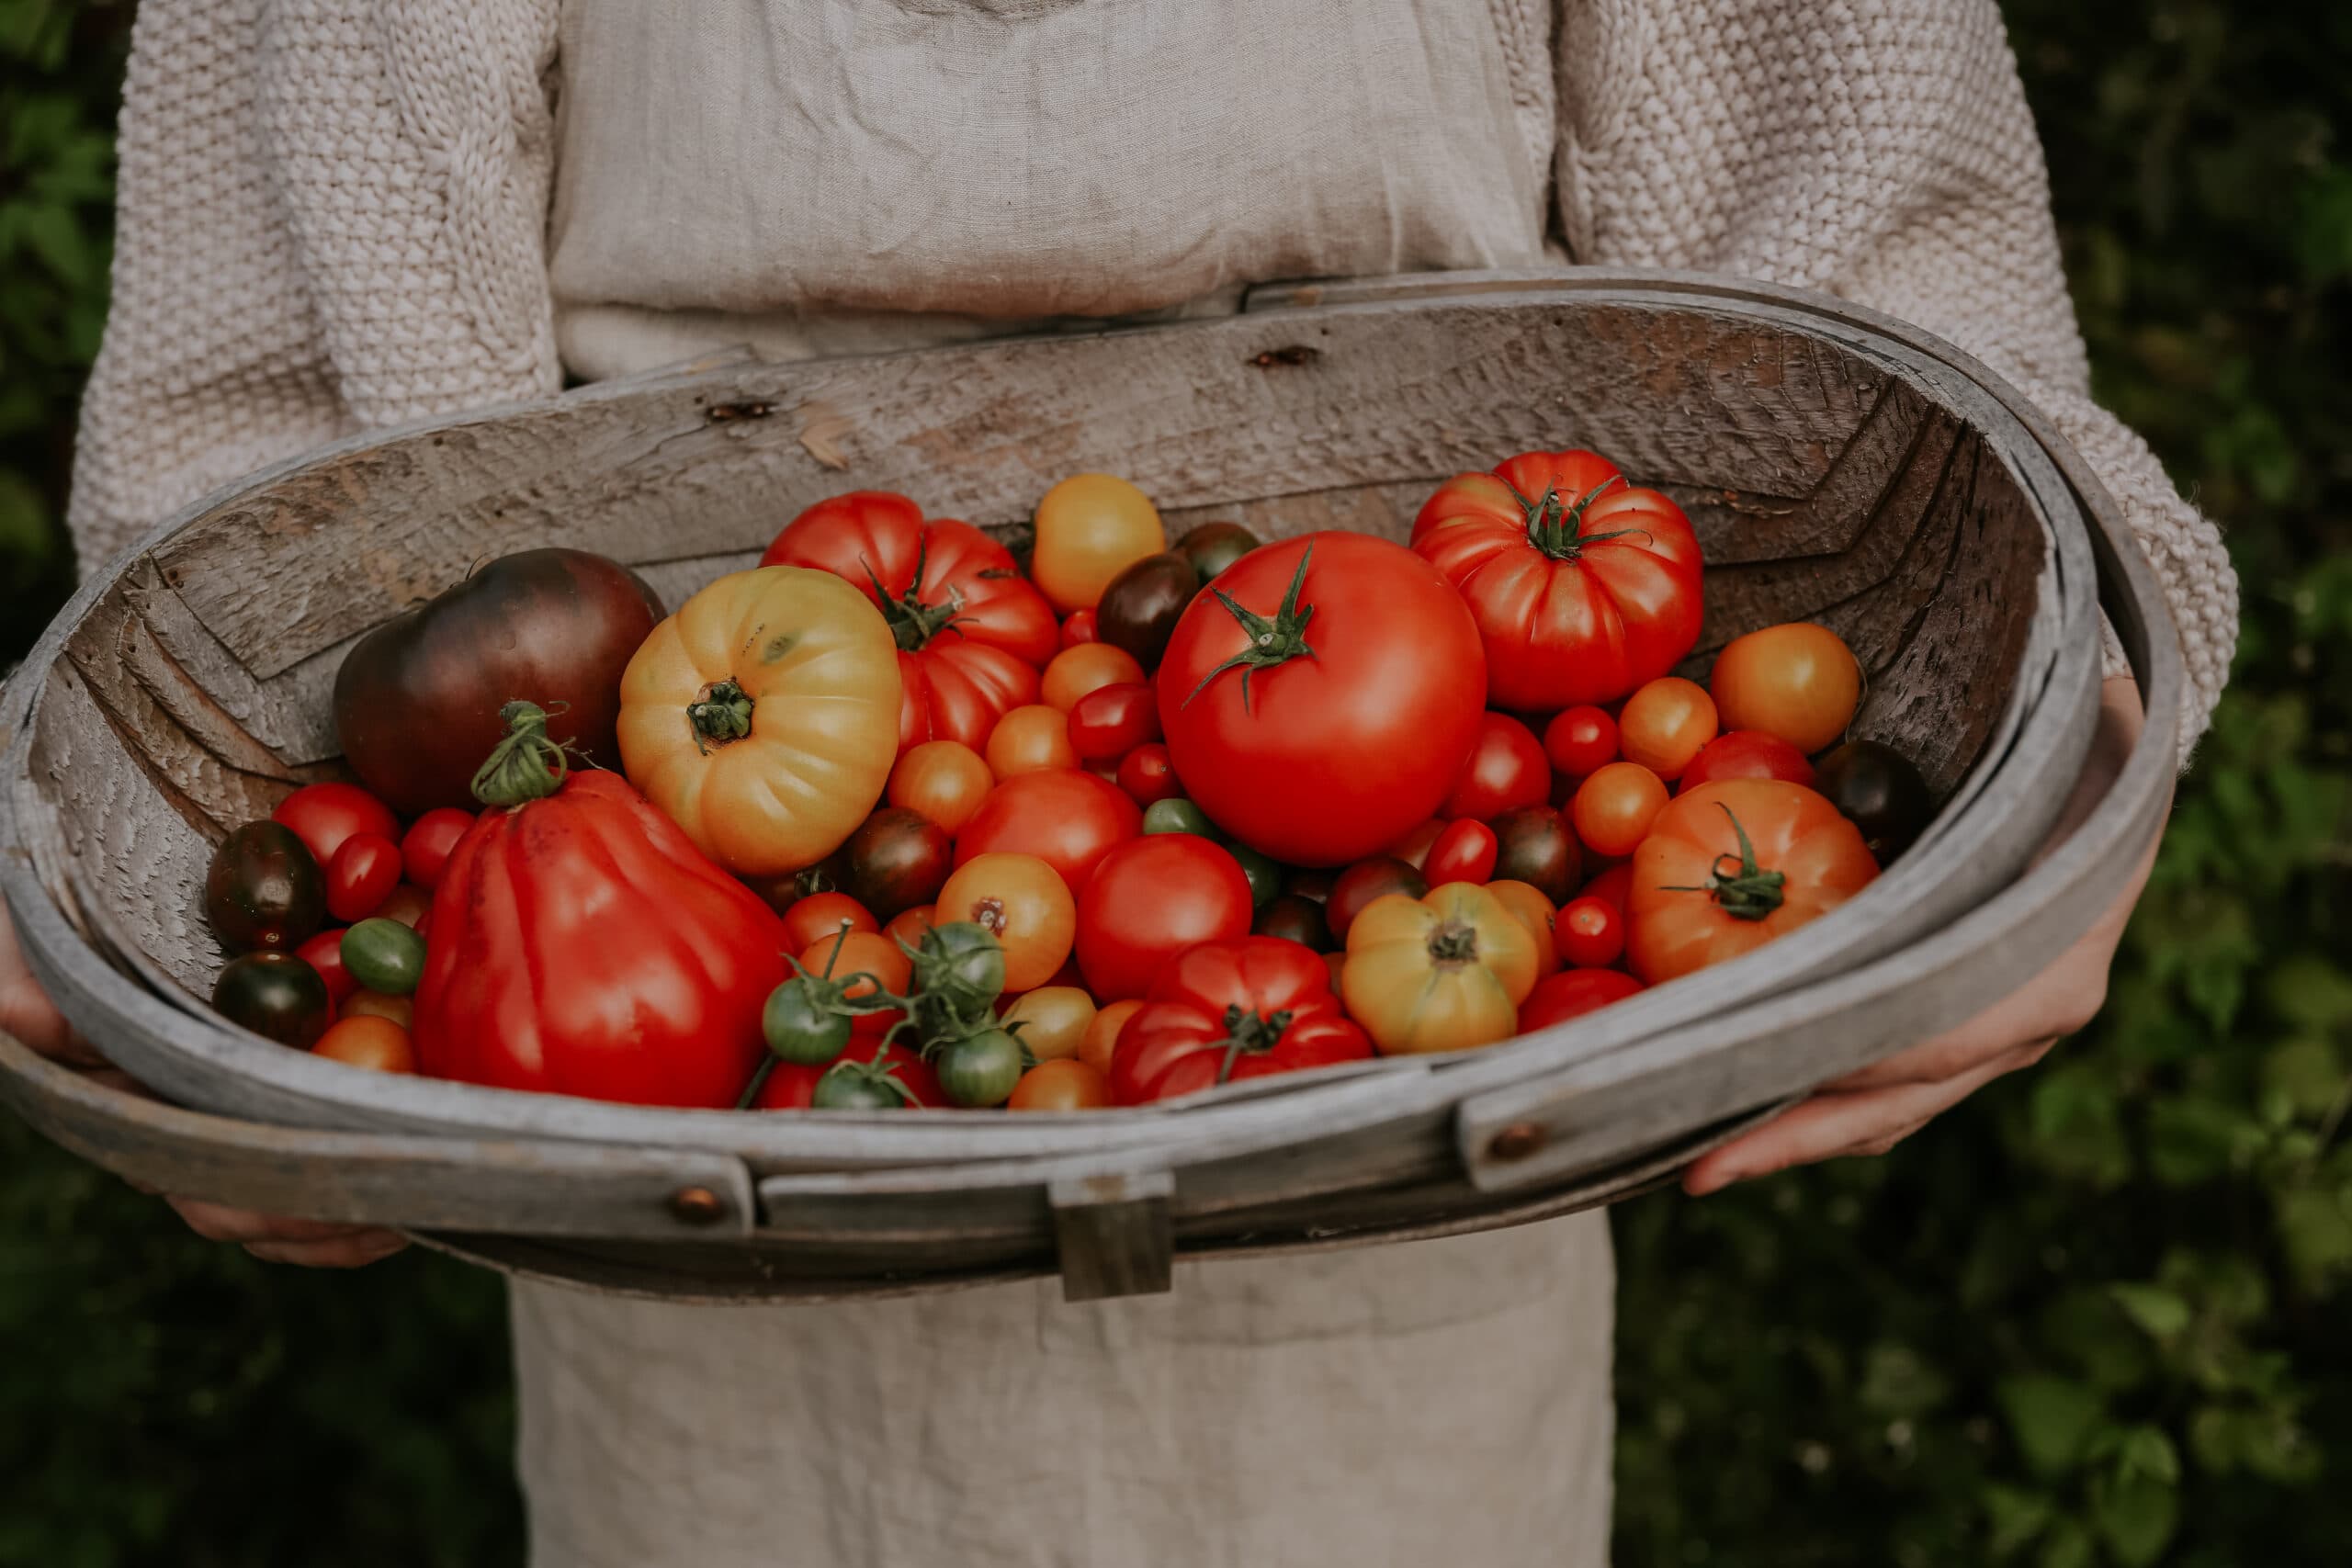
x: 1101, y: 1042
x: 1799, y: 682
x: 1030, y: 739
x: 942, y: 780
x: 1066, y: 1085
x: 1056, y: 1019
x: 1441, y: 972
x: 1024, y: 904
x: 1088, y: 667
x: 762, y: 717
x: 1536, y: 913
x: 1089, y: 529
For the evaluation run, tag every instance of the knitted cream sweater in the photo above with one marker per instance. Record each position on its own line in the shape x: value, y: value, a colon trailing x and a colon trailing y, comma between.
x: 333, y: 216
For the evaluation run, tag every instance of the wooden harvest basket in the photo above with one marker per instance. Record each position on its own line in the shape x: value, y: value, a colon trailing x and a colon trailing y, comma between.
x: 1839, y: 465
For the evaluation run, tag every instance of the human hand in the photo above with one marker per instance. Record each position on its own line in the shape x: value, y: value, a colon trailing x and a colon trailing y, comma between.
x: 28, y: 1015
x: 1869, y: 1112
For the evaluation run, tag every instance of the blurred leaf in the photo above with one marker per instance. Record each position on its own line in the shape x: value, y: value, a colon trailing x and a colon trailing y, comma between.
x: 2158, y: 1312
x: 2015, y: 1516
x: 2135, y: 1518
x: 2316, y: 1227
x: 2051, y: 1417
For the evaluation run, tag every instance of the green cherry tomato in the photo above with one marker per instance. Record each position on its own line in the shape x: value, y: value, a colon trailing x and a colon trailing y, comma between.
x: 1177, y: 815
x: 384, y: 955
x: 264, y: 889
x: 275, y: 995
x: 839, y: 1091
x: 981, y: 1070
x: 799, y: 1028
x: 962, y: 963
x: 1265, y: 876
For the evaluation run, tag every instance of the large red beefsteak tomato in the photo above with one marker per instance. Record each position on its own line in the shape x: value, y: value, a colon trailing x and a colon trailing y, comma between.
x: 1318, y: 701
x: 1581, y: 593
x: 973, y: 633
x: 582, y: 945
x: 1223, y: 1011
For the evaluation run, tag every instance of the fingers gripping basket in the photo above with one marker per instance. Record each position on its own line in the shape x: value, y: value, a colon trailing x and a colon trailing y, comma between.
x: 1839, y: 465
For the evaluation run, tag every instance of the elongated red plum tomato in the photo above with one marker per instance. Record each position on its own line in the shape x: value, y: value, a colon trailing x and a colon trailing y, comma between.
x: 1533, y: 844
x: 1580, y: 741
x: 323, y: 815
x: 1147, y: 776
x: 1067, y: 818
x: 1320, y: 701
x: 361, y: 876
x: 1149, y: 901
x: 1665, y: 724
x: 1507, y: 769
x: 1747, y: 754
x: 1799, y: 682
x: 1363, y: 882
x: 417, y: 699
x: 1581, y: 589
x: 1572, y: 993
x: 1111, y: 721
x: 1464, y: 851
x: 424, y: 848
x: 972, y: 632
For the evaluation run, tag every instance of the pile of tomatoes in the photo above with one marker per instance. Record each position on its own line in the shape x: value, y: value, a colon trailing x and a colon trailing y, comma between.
x: 908, y: 820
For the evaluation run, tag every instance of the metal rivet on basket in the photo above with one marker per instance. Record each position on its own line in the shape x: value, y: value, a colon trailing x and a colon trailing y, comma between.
x: 1518, y: 1140
x: 697, y: 1206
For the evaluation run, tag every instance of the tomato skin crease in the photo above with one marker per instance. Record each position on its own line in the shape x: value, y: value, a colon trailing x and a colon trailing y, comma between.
x: 1229, y: 1011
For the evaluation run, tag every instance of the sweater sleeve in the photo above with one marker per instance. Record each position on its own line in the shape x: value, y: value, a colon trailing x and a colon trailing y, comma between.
x: 1882, y: 151
x: 329, y: 217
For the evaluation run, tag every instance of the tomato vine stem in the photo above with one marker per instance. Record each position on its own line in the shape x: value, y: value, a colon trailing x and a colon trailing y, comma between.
x: 1256, y: 1033
x: 1273, y: 641
x: 1750, y: 892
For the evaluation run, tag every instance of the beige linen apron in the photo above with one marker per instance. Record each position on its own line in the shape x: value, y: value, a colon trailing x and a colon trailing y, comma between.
x: 827, y: 176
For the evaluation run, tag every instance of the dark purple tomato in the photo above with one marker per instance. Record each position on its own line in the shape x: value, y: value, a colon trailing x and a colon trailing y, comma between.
x: 1363, y: 882
x: 276, y: 995
x: 263, y: 890
x: 898, y: 860
x: 1294, y: 917
x: 1213, y: 546
x: 1533, y: 844
x: 1877, y: 788
x: 1139, y: 608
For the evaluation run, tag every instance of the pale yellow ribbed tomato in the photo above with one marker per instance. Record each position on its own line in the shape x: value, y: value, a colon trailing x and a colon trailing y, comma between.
x: 1441, y: 972
x: 764, y: 717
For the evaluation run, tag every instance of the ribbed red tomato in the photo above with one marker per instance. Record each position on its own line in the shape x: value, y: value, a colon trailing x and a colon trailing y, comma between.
x: 1320, y: 700
x: 1581, y: 594
x: 1224, y: 1011
x: 972, y: 632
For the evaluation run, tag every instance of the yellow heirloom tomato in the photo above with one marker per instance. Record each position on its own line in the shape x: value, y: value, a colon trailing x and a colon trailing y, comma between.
x: 1440, y: 973
x: 764, y: 717
x: 1089, y: 529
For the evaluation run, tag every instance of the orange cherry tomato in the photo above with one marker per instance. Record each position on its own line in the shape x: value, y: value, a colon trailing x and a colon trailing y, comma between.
x: 1613, y: 808
x: 1101, y: 1040
x: 1088, y: 667
x: 1580, y: 741
x: 908, y: 925
x: 366, y: 1041
x: 1065, y: 1085
x: 1665, y: 725
x: 1054, y: 1020
x: 1025, y: 904
x: 1799, y: 682
x: 815, y: 917
x: 944, y: 779
x: 376, y: 1004
x: 1088, y: 529
x: 1537, y: 914
x: 1032, y: 739
x: 1590, y: 932
x: 862, y: 953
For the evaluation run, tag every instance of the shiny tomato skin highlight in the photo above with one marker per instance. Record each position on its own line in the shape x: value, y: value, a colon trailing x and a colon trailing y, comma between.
x: 1065, y: 817
x: 1506, y: 769
x: 1149, y: 901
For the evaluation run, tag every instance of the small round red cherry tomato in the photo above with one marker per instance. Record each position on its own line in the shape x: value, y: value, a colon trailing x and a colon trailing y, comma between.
x: 1664, y: 722
x: 1111, y: 721
x: 323, y: 815
x: 1580, y: 741
x: 1572, y: 993
x: 1079, y: 628
x: 1464, y: 852
x: 1147, y: 776
x: 1506, y: 769
x: 361, y: 876
x: 425, y: 849
x: 1747, y: 754
x: 1590, y: 932
x: 323, y: 952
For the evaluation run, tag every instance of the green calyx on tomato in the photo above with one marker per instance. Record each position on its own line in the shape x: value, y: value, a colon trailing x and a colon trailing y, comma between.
x: 912, y: 622
x: 722, y: 714
x: 1752, y: 893
x: 982, y: 1069
x: 1251, y: 1032
x: 850, y: 1085
x: 806, y: 1019
x: 1552, y: 527
x: 1273, y: 641
x: 528, y: 764
x: 959, y: 965
x: 1455, y: 942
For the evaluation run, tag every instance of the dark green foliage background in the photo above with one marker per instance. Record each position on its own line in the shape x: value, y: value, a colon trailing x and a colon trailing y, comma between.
x: 2094, y: 1317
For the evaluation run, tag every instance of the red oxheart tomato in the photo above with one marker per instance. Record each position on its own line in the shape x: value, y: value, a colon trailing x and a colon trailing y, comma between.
x: 972, y: 632
x: 1223, y: 1011
x: 791, y: 1086
x: 1464, y: 852
x: 582, y: 945
x: 1580, y: 741
x: 425, y: 849
x: 1580, y: 595
x: 1747, y: 754
x: 1111, y: 721
x: 1572, y: 993
x: 361, y: 876
x: 1507, y: 768
x: 1589, y: 932
x: 1149, y: 901
x: 1728, y: 866
x: 1320, y: 700
x: 1067, y: 818
x: 323, y: 815
x: 1503, y: 493
x: 1147, y: 776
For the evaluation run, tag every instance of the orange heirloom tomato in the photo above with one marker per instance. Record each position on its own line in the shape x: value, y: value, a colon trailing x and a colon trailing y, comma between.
x: 1799, y: 682
x: 1056, y: 1019
x: 1029, y: 740
x: 1441, y: 972
x: 1062, y: 1085
x: 1538, y: 914
x: 1732, y: 864
x: 762, y: 717
x: 1088, y: 667
x: 1024, y: 904
x: 944, y: 779
x: 1101, y: 1042
x: 1089, y: 529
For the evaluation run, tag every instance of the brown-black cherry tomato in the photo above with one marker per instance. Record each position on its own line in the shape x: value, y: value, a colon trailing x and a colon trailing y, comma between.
x: 1879, y: 790
x: 1362, y: 883
x: 1294, y: 917
x: 1534, y: 845
x: 1139, y: 608
x: 898, y: 860
x: 263, y: 890
x: 1213, y: 546
x: 276, y: 995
